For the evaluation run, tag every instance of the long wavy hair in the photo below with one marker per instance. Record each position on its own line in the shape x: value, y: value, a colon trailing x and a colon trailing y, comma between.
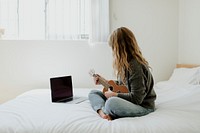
x: 125, y: 48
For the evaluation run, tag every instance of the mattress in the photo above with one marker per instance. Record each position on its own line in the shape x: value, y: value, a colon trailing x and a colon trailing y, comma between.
x: 177, y: 110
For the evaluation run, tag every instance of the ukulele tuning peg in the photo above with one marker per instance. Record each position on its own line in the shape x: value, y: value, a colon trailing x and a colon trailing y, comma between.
x: 92, y: 72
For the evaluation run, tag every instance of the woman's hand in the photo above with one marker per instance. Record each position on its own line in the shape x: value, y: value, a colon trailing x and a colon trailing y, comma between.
x: 109, y: 94
x: 96, y: 79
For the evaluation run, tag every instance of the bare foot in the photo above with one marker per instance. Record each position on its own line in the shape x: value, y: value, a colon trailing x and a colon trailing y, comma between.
x: 103, y: 115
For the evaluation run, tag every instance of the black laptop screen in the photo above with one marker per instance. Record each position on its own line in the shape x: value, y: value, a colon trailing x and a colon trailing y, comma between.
x: 61, y: 88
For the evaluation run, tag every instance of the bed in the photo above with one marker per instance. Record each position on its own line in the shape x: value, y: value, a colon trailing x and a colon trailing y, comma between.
x: 177, y: 110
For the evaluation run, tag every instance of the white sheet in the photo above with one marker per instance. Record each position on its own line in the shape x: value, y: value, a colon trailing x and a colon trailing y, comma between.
x: 178, y: 110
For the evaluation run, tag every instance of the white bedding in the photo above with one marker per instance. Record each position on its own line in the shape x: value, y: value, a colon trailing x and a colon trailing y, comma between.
x: 177, y: 110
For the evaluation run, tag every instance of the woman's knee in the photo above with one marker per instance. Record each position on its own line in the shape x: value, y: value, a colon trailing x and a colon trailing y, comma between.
x: 95, y: 92
x: 112, y: 103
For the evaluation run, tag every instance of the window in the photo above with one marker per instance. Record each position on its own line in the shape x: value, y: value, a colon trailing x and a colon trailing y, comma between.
x: 54, y: 19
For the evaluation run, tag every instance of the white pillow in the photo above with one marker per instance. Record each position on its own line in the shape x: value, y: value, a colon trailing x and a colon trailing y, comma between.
x: 186, y: 75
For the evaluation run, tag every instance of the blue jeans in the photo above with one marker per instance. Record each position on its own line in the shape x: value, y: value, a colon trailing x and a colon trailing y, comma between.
x: 116, y: 107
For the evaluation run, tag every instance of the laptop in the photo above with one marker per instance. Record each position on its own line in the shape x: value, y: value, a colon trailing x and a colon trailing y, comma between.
x: 62, y: 90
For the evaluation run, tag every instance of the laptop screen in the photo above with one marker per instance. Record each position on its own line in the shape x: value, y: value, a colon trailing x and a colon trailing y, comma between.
x: 61, y: 89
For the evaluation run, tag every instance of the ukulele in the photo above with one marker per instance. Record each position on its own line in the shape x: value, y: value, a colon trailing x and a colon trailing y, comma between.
x: 109, y: 85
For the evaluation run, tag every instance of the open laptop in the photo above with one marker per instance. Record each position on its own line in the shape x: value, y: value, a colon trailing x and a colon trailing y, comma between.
x: 62, y: 90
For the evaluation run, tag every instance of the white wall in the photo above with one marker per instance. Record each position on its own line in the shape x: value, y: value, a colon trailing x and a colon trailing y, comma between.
x: 26, y: 65
x: 155, y: 24
x: 189, y: 32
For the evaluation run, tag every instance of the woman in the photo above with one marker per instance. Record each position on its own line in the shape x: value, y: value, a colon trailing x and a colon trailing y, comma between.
x: 133, y: 70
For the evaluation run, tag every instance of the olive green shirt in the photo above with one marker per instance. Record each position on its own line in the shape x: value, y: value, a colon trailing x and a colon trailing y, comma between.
x: 139, y: 82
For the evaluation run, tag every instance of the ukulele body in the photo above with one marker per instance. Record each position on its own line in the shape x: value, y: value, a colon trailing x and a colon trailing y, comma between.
x: 116, y: 88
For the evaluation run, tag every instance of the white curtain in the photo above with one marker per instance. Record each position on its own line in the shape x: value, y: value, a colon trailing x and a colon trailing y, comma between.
x: 9, y: 19
x: 22, y: 19
x: 31, y: 19
x: 67, y: 19
x: 99, y: 20
x: 55, y: 19
x: 78, y: 19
